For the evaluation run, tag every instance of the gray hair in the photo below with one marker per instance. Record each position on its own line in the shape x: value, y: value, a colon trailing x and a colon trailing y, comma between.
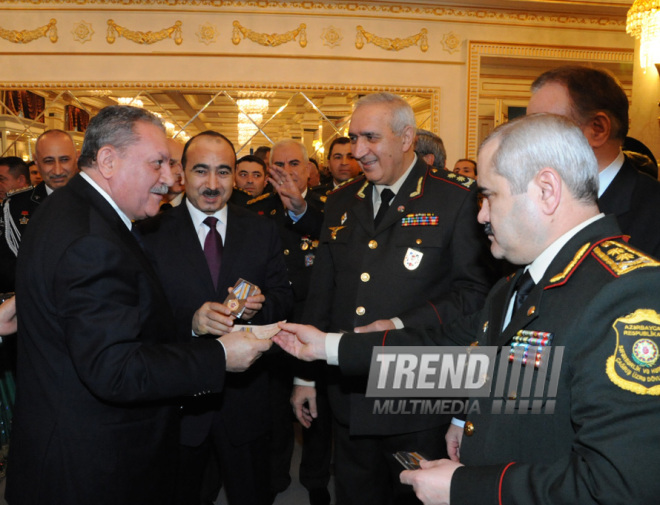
x: 430, y: 143
x: 114, y: 126
x: 289, y: 142
x: 402, y: 113
x: 531, y: 143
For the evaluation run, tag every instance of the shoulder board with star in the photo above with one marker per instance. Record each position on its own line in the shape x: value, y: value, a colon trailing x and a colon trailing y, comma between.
x: 621, y: 258
x: 19, y: 191
x: 259, y: 198
x: 346, y: 184
x: 452, y: 178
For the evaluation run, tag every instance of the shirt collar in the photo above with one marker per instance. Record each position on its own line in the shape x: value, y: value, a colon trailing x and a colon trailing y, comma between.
x: 606, y: 176
x: 105, y: 195
x: 198, y: 216
x: 397, y: 185
x: 538, y: 267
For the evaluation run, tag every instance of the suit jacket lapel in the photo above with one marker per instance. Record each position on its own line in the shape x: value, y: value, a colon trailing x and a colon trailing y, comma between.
x: 236, y: 240
x: 187, y: 241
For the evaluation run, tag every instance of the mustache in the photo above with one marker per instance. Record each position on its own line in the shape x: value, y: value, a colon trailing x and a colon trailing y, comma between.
x: 211, y: 192
x: 488, y: 229
x: 160, y: 189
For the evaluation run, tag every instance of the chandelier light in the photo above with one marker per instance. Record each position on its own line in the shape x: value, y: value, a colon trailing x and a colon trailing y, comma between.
x: 251, y: 111
x: 643, y: 23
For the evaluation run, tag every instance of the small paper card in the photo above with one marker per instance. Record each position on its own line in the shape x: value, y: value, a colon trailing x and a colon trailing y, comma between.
x: 262, y: 332
x: 235, y: 300
x: 409, y: 460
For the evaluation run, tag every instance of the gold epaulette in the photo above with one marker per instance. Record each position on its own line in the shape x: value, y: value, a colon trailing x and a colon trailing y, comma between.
x: 621, y: 258
x: 19, y: 190
x: 258, y: 198
x: 461, y: 179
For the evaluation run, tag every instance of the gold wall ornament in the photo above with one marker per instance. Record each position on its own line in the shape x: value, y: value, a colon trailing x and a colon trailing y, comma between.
x: 82, y: 32
x: 450, y: 42
x: 331, y: 36
x: 395, y: 44
x: 207, y: 33
x: 272, y: 39
x: 25, y: 36
x: 115, y: 30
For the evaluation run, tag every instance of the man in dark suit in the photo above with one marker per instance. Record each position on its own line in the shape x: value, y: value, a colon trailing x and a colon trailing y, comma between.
x: 55, y: 156
x: 419, y: 260
x: 236, y: 423
x: 595, y: 101
x: 298, y: 213
x: 99, y: 358
x: 589, y: 294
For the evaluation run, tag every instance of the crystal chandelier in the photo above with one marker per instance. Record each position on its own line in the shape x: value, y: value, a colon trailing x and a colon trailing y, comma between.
x: 643, y: 22
x: 251, y: 111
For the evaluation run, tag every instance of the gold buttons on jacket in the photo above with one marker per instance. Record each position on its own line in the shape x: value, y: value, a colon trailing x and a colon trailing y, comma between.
x: 365, y: 277
x: 360, y: 311
x: 468, y: 429
x: 286, y: 252
x: 418, y: 241
x: 373, y: 244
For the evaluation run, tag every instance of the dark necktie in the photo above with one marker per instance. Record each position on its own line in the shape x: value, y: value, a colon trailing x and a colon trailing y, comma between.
x: 386, y: 197
x: 213, y: 249
x: 138, y: 236
x: 523, y: 286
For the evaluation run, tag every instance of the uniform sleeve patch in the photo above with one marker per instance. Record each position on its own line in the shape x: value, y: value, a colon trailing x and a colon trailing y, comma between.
x: 634, y: 365
x: 621, y: 258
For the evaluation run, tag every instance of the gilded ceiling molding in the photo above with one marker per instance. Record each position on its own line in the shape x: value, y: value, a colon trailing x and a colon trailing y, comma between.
x: 558, y: 53
x: 450, y: 42
x: 25, y: 36
x: 207, y: 33
x: 357, y: 9
x: 115, y: 30
x: 331, y: 36
x: 272, y: 39
x: 82, y: 32
x: 395, y: 44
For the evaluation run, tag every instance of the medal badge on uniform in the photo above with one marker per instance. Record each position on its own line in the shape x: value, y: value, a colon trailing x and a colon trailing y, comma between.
x: 412, y: 259
x: 25, y: 217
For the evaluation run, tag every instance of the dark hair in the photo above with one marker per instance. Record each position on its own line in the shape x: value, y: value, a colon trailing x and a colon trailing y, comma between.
x: 17, y: 167
x: 207, y: 133
x: 113, y: 125
x: 340, y: 141
x: 253, y: 159
x: 471, y: 161
x: 262, y: 152
x: 430, y: 143
x: 591, y: 90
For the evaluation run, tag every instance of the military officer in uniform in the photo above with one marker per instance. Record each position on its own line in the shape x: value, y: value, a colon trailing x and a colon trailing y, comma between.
x: 56, y: 159
x: 589, y: 295
x: 341, y: 164
x: 418, y: 260
x: 298, y: 213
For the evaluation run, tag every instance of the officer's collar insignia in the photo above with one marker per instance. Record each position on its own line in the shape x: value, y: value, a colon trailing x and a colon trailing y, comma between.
x: 573, y: 263
x: 344, y: 217
x: 634, y: 364
x: 418, y: 190
x: 360, y: 193
x: 621, y: 258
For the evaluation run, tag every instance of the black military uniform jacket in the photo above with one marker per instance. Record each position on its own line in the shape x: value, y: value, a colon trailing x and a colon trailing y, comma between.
x: 299, y: 239
x: 634, y: 198
x: 426, y: 263
x: 19, y: 207
x: 598, y: 298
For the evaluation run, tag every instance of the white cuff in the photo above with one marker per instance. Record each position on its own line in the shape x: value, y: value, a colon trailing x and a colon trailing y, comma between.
x: 332, y: 348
